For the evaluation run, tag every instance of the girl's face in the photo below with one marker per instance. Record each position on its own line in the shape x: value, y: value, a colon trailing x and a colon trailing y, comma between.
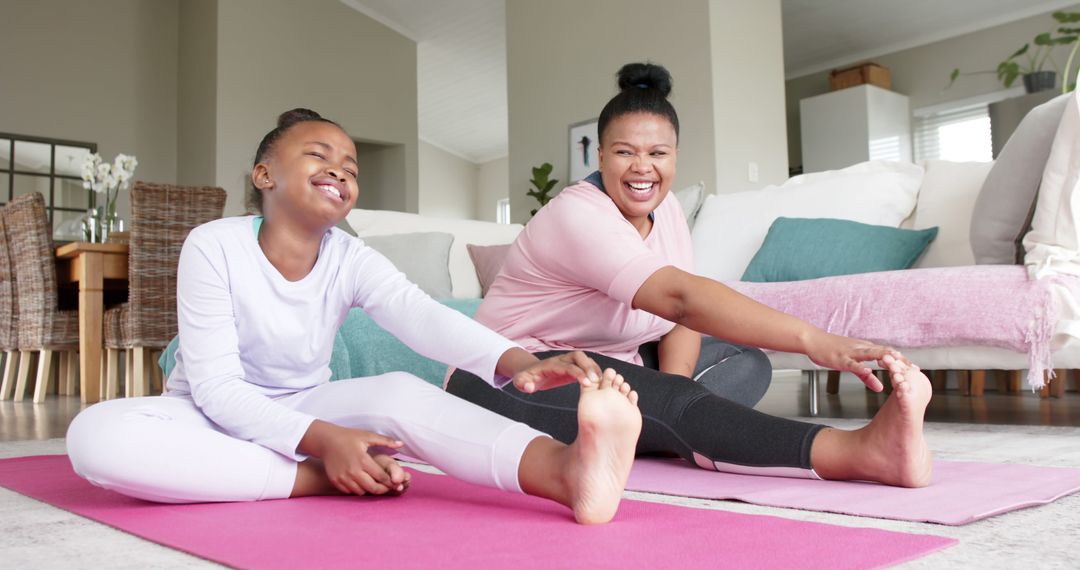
x: 637, y: 164
x: 310, y: 175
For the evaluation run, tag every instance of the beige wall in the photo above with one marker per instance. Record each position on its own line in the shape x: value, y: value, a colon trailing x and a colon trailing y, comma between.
x: 103, y: 72
x: 448, y: 184
x: 274, y: 55
x: 562, y: 56
x: 197, y: 93
x: 492, y: 186
x: 921, y: 73
x: 748, y: 94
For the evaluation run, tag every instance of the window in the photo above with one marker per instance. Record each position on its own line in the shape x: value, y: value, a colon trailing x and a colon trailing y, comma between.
x: 502, y: 211
x: 50, y: 166
x: 958, y: 134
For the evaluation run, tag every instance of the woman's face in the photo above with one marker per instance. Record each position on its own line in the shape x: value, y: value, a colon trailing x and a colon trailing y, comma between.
x: 637, y: 163
x: 310, y: 175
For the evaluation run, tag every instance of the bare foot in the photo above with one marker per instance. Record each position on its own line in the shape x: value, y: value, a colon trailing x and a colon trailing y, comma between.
x: 895, y: 450
x: 608, y: 427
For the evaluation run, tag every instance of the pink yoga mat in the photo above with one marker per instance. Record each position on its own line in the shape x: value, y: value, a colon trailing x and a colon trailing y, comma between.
x: 961, y: 492
x: 446, y: 524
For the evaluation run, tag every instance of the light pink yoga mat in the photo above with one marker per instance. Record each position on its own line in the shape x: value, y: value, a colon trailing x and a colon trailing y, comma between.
x: 961, y: 492
x: 446, y: 524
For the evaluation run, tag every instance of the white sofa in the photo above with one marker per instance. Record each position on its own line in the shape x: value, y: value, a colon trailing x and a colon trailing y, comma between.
x: 944, y: 197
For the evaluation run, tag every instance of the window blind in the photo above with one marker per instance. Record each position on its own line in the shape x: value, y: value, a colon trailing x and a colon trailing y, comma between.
x: 956, y: 134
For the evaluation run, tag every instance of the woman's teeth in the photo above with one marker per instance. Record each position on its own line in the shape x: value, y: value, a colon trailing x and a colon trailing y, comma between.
x: 331, y: 190
x: 640, y: 186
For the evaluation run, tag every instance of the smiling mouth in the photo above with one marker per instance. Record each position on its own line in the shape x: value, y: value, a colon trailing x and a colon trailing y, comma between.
x: 331, y: 191
x: 640, y: 187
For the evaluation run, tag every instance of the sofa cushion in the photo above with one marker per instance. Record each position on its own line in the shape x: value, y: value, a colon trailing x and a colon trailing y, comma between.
x: 691, y: 198
x: 796, y: 249
x: 946, y: 201
x: 462, y: 274
x: 423, y: 257
x: 373, y: 351
x: 1053, y: 244
x: 1003, y: 210
x: 488, y: 260
x: 731, y: 227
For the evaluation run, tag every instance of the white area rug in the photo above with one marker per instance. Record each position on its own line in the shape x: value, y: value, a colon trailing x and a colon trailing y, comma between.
x: 36, y: 535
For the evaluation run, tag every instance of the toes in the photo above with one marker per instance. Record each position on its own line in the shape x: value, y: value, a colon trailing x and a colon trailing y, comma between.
x: 624, y: 388
x: 608, y: 379
x: 633, y: 397
x: 619, y: 381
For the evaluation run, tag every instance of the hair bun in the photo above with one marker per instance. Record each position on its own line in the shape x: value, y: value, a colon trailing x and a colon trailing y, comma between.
x: 645, y: 76
x: 297, y: 115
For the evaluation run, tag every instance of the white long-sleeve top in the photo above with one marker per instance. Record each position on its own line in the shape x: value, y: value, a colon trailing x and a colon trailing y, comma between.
x: 249, y: 336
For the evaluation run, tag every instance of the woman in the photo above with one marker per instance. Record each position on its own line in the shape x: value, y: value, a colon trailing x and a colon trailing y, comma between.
x: 250, y: 413
x: 605, y: 267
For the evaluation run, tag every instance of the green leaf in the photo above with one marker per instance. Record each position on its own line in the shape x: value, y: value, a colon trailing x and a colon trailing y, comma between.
x: 955, y: 73
x: 1019, y: 52
x: 1067, y: 17
x: 1043, y: 39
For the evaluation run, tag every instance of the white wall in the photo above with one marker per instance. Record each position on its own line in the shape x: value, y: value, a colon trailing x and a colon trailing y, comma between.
x: 196, y: 152
x: 274, y: 55
x: 448, y: 184
x: 102, y: 72
x: 562, y: 56
x: 748, y: 94
x: 922, y: 72
x: 493, y: 184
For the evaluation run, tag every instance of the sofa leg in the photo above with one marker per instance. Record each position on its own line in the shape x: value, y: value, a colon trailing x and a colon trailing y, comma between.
x: 937, y: 380
x: 963, y: 382
x: 814, y: 379
x: 832, y: 386
x: 978, y: 382
x: 1053, y: 387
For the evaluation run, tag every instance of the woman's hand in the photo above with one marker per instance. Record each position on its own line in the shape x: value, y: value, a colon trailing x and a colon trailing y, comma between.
x: 349, y: 464
x: 848, y: 354
x: 557, y: 371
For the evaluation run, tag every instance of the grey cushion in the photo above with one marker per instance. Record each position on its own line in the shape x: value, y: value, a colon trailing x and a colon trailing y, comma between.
x: 423, y: 257
x: 1006, y: 202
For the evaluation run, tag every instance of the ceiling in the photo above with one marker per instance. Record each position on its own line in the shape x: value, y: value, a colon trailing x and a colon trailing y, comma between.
x: 461, y: 50
x: 824, y: 34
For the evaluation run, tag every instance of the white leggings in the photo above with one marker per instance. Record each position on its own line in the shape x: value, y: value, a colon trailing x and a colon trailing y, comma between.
x: 164, y: 449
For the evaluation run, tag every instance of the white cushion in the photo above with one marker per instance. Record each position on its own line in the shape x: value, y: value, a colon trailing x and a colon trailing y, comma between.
x: 462, y: 273
x: 690, y: 198
x: 731, y: 227
x: 1053, y: 244
x: 946, y: 200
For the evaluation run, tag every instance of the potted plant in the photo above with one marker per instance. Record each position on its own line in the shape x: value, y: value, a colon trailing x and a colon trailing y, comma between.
x: 542, y: 185
x: 1031, y: 63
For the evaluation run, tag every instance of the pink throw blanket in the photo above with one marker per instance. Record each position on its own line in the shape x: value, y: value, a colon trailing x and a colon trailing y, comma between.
x: 982, y: 305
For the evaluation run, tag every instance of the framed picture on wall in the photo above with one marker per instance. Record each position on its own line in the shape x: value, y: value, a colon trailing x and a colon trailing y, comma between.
x: 584, y: 158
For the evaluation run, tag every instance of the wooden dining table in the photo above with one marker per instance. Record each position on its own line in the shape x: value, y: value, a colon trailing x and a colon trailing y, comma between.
x: 94, y: 267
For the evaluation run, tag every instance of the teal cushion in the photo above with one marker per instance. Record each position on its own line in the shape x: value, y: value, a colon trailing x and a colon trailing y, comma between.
x: 808, y: 248
x: 339, y: 359
x: 373, y: 351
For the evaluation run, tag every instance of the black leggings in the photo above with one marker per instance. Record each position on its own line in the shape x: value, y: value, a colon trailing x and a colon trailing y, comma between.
x: 680, y: 417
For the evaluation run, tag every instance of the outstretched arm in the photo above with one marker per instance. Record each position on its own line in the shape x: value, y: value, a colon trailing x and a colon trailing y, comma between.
x: 713, y: 308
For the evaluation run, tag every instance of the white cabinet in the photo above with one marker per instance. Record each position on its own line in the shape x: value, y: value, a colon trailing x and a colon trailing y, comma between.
x: 854, y: 125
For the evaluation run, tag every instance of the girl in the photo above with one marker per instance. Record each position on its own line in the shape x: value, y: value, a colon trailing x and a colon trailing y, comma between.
x: 628, y: 283
x: 249, y: 413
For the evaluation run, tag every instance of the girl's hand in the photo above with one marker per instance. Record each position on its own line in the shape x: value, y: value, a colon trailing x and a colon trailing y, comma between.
x: 848, y: 354
x: 345, y: 453
x: 558, y: 371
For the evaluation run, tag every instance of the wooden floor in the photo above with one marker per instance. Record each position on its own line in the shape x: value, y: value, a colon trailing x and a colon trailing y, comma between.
x: 788, y: 396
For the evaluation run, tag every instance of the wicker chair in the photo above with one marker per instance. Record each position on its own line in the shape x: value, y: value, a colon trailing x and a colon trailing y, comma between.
x: 42, y: 326
x: 161, y: 217
x: 9, y: 315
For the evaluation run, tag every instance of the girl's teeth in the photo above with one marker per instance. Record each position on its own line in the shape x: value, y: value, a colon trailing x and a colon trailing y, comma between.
x: 331, y: 190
